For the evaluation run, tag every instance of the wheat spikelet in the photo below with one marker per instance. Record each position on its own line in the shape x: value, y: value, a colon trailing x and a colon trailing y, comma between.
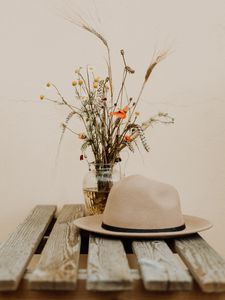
x: 69, y: 116
x: 153, y: 64
x: 143, y: 138
x: 149, y: 70
x: 96, y: 33
x: 100, y: 93
x: 80, y: 22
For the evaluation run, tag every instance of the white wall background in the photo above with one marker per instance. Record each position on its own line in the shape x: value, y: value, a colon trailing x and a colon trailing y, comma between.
x: 37, y: 45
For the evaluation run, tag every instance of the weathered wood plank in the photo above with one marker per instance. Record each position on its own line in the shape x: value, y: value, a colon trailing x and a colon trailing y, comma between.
x: 58, y: 265
x: 82, y: 275
x: 108, y: 268
x: 205, y: 264
x: 17, y: 250
x: 159, y: 268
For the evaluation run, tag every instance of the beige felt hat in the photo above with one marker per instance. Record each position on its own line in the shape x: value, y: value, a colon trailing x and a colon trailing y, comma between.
x: 140, y: 207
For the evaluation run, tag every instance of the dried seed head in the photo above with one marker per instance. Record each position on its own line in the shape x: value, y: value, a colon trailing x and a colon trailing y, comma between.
x: 118, y: 159
x: 77, y: 71
x: 122, y: 52
x: 162, y: 114
x: 130, y: 70
x: 48, y: 84
x: 74, y: 83
x: 82, y: 136
x: 42, y: 97
x: 80, y: 82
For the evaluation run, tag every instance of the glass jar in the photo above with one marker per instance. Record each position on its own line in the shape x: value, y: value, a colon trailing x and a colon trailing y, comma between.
x: 97, y: 184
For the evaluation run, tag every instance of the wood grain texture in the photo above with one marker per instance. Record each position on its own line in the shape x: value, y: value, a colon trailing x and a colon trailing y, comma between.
x: 159, y: 268
x: 17, y: 250
x: 58, y: 265
x: 205, y: 264
x: 108, y: 268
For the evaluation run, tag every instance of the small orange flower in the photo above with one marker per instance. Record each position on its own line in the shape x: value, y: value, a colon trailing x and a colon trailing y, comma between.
x: 121, y: 113
x: 128, y: 138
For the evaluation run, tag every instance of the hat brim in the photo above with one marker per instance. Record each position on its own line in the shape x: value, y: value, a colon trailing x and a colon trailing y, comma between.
x: 94, y: 224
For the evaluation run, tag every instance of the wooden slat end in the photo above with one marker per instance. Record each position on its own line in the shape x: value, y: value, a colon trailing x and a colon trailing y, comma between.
x: 51, y: 286
x: 109, y: 286
x: 8, y: 285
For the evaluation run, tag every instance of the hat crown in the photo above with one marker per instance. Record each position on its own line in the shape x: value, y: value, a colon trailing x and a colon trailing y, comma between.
x: 137, y: 202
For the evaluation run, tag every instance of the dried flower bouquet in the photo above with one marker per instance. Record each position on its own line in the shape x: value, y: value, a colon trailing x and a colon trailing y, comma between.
x: 111, y: 121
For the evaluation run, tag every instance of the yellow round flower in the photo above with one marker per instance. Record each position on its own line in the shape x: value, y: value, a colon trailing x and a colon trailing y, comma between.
x: 48, y: 84
x: 42, y: 97
x: 80, y: 82
x: 97, y: 79
x: 95, y: 85
x: 74, y: 83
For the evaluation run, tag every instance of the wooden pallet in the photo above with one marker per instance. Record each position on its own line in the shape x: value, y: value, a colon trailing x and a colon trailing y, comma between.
x: 48, y: 257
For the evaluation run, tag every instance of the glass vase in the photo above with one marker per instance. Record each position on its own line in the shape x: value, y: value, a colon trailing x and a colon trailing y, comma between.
x: 97, y: 184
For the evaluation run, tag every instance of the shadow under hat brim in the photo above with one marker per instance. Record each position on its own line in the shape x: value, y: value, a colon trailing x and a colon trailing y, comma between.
x: 192, y: 225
